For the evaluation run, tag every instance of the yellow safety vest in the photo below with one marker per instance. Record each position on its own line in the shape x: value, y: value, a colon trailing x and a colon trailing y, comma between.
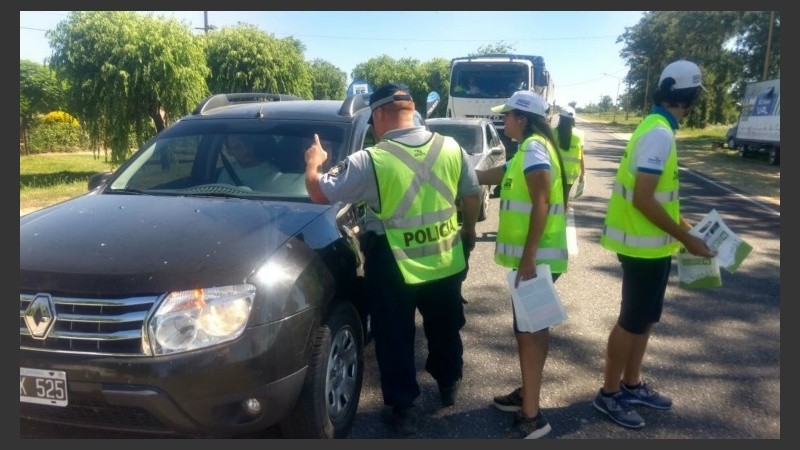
x: 417, y: 188
x: 515, y: 215
x: 627, y: 230
x: 571, y: 156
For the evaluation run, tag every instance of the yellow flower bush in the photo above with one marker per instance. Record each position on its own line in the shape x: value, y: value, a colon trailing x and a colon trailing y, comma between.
x: 60, y: 117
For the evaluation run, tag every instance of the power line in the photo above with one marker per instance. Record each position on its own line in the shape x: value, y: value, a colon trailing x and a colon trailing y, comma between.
x: 404, y: 39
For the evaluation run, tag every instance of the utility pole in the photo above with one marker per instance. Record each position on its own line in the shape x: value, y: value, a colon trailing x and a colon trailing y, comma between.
x: 205, y: 26
x: 769, y: 42
x: 646, y: 87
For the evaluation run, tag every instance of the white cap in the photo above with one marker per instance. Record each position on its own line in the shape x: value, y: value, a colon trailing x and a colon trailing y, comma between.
x: 524, y: 101
x: 568, y: 111
x: 685, y: 73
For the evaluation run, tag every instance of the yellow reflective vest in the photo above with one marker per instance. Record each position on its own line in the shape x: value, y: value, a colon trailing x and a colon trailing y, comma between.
x: 571, y: 156
x: 417, y: 188
x: 627, y: 230
x: 515, y: 215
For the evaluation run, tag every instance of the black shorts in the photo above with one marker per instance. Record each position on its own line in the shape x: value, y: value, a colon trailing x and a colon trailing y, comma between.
x: 516, y: 330
x: 644, y: 282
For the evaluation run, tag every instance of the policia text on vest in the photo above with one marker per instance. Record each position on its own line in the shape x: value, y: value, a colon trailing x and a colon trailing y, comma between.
x: 431, y: 233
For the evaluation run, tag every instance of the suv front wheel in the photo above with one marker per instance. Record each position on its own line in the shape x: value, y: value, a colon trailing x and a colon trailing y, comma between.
x: 329, y: 399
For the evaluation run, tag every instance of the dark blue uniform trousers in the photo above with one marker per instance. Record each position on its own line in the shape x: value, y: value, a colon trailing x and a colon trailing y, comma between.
x: 392, y: 307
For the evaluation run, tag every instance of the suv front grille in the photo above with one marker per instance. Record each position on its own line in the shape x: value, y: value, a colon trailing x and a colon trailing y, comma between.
x: 88, y: 325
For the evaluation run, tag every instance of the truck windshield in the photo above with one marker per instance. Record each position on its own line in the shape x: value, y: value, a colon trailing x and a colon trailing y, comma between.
x: 488, y: 80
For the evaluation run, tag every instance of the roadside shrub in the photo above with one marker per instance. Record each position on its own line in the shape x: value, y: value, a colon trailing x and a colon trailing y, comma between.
x: 57, y: 131
x: 61, y: 117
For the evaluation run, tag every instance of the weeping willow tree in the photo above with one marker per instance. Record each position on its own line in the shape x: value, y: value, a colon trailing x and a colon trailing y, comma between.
x: 127, y: 73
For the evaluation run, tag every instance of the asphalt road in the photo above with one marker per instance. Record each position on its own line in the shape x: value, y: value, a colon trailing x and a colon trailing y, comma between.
x: 716, y: 351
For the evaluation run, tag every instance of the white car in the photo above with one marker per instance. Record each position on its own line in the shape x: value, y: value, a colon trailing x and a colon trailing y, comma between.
x: 480, y: 139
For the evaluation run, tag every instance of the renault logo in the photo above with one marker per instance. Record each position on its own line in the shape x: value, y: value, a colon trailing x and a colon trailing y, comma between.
x: 40, y: 316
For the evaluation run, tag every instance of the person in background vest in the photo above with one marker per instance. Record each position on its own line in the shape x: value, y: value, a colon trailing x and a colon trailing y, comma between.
x: 413, y: 246
x: 570, y: 145
x: 644, y: 226
x: 532, y: 230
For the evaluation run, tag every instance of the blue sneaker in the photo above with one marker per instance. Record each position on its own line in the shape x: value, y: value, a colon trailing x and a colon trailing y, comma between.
x: 645, y: 395
x: 618, y: 409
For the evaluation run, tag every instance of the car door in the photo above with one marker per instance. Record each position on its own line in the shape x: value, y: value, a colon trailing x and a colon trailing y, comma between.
x: 497, y: 152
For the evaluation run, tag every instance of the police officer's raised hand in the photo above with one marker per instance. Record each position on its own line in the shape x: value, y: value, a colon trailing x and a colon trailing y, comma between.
x: 315, y: 155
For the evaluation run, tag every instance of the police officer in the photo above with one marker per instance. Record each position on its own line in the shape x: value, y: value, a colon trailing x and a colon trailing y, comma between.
x: 570, y: 145
x: 414, y: 247
x: 644, y: 227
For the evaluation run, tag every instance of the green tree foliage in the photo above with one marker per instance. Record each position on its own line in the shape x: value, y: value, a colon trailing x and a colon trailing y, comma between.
x: 497, y: 47
x: 704, y: 37
x: 606, y: 103
x: 243, y: 58
x: 437, y: 71
x: 126, y: 71
x: 752, y: 42
x: 384, y: 70
x: 329, y: 82
x: 39, y: 93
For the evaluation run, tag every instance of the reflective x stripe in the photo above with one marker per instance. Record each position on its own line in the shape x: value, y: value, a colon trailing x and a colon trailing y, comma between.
x: 417, y: 221
x: 637, y: 241
x: 541, y: 253
x: 525, y: 208
x: 661, y: 197
x: 423, y: 173
x: 570, y: 159
x: 434, y: 248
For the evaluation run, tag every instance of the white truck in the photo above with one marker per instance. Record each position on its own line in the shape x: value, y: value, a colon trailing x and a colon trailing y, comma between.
x: 759, y: 127
x: 477, y: 83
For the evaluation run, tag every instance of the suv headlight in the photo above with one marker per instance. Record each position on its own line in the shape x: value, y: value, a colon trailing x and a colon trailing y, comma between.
x: 190, y: 320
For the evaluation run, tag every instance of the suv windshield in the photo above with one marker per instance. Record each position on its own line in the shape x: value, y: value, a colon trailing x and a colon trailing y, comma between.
x: 229, y: 158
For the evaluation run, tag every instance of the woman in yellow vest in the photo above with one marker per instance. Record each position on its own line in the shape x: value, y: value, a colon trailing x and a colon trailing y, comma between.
x: 644, y: 227
x: 570, y: 144
x: 532, y: 230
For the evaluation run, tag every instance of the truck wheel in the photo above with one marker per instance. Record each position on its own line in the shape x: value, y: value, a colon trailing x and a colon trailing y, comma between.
x: 731, y: 143
x: 774, y: 156
x: 744, y: 152
x: 329, y: 399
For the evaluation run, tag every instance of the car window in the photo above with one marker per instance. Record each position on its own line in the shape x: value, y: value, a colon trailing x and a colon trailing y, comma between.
x: 469, y: 137
x: 266, y: 160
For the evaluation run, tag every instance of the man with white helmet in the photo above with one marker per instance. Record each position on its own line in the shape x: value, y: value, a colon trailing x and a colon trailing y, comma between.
x: 644, y: 226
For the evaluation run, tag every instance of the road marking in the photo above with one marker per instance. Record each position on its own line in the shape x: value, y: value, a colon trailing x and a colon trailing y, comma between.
x: 572, y: 234
x: 760, y: 204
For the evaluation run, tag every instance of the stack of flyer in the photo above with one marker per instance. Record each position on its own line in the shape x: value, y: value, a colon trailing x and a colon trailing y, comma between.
x: 536, y: 303
x: 699, y: 272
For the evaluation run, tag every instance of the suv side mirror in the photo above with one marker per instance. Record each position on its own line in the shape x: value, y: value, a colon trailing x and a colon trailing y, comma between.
x: 433, y: 102
x: 99, y: 180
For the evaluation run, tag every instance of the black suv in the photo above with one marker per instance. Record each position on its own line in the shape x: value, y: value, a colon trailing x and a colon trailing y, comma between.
x: 175, y: 298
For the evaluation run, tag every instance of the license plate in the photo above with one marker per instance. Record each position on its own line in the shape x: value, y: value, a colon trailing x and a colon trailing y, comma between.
x: 45, y: 387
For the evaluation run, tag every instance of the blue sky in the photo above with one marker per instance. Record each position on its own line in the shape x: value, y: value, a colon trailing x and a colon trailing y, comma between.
x: 579, y: 47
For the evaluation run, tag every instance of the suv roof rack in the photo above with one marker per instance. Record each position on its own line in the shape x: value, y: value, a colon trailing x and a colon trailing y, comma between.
x: 220, y: 100
x: 354, y: 103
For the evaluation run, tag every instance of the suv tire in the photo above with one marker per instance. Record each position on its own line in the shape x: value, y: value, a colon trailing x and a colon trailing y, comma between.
x: 329, y: 398
x: 484, y: 204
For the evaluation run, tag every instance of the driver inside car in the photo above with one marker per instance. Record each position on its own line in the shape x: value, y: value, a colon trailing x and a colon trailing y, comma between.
x: 248, y: 165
